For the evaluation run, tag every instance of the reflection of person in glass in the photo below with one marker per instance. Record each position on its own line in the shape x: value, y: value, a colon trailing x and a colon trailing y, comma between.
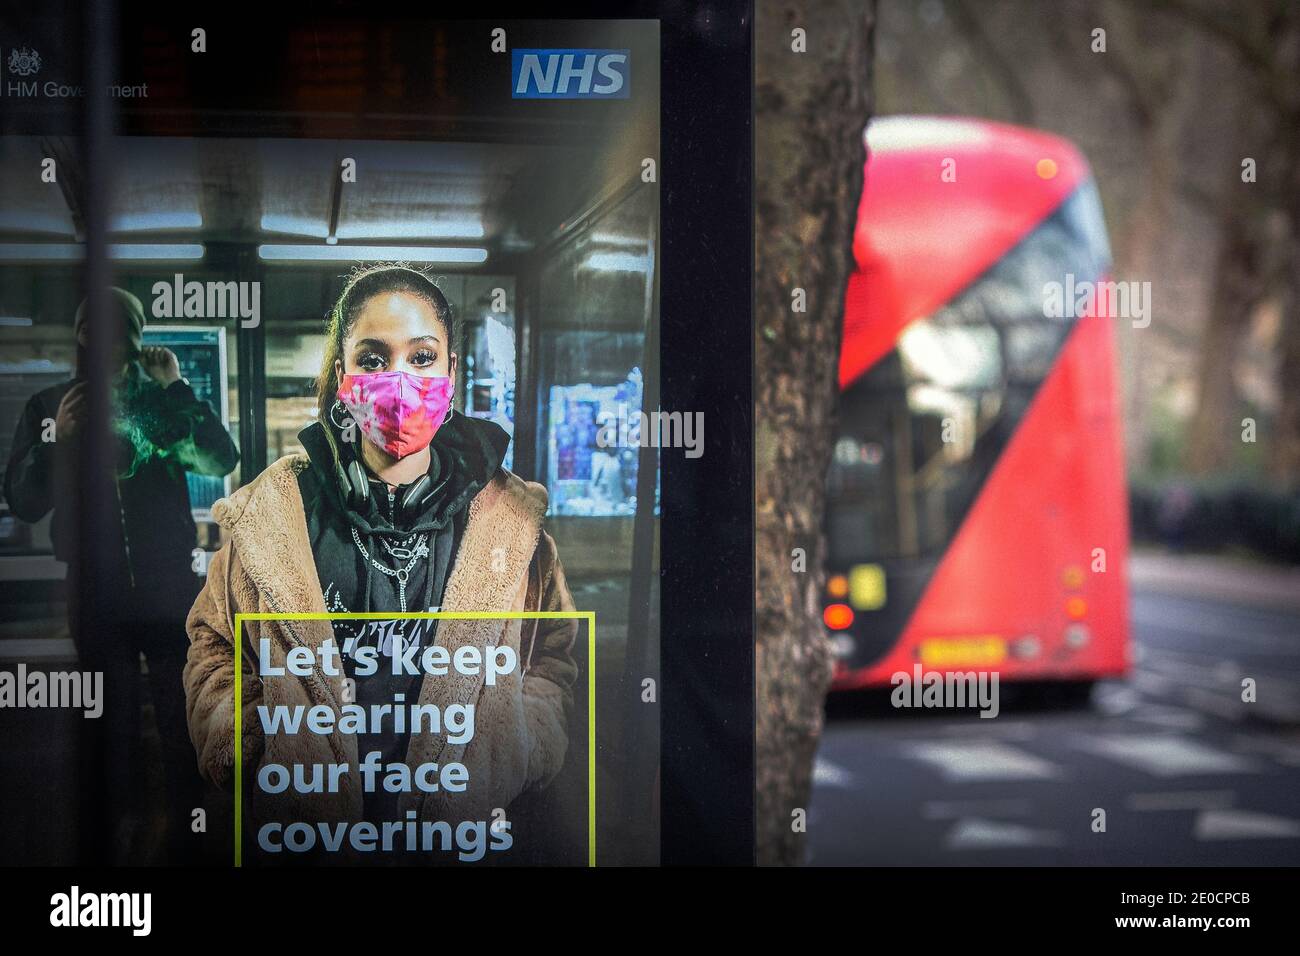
x: 399, y: 504
x: 162, y: 431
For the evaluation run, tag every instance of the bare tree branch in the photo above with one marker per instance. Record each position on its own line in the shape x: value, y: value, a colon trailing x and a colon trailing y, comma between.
x: 1250, y: 48
x: 971, y: 26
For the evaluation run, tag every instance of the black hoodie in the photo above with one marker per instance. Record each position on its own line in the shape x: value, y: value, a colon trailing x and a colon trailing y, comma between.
x: 159, y: 435
x: 467, y: 452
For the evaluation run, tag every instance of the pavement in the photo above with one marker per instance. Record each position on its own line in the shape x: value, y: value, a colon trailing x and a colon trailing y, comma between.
x: 1227, y: 580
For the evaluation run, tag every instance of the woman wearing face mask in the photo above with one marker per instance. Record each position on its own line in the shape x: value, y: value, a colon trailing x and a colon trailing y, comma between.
x: 399, y: 504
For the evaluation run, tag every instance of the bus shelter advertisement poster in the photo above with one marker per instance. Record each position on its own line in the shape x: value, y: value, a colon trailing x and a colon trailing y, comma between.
x: 800, y: 433
x: 368, y: 595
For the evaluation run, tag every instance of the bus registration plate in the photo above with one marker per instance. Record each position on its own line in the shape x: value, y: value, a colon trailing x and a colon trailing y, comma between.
x: 982, y: 651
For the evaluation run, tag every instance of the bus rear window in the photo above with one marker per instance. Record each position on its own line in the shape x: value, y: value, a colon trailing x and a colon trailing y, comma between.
x: 919, y: 433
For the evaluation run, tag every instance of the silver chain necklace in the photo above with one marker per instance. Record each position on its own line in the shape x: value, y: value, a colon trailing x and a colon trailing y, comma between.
x: 421, y: 550
x: 402, y: 550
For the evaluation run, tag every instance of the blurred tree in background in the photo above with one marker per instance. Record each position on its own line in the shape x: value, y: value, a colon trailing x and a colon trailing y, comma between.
x: 1184, y: 93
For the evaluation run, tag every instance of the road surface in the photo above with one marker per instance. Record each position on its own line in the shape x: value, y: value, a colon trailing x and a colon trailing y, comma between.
x: 1186, y: 773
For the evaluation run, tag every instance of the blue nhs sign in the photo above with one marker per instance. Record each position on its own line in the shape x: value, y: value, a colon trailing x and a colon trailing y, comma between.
x: 569, y: 74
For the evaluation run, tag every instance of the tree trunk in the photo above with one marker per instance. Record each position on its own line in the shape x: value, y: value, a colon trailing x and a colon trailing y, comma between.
x: 1138, y: 251
x: 1285, y: 458
x: 810, y: 111
x: 1238, y: 287
x: 1268, y: 46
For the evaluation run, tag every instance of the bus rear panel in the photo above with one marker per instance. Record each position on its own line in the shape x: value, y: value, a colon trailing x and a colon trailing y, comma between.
x: 976, y: 514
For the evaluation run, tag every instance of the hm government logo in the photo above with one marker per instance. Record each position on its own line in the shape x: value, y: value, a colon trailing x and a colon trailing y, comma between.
x: 24, y: 62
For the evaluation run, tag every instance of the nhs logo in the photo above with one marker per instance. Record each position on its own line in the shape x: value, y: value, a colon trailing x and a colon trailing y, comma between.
x: 569, y: 74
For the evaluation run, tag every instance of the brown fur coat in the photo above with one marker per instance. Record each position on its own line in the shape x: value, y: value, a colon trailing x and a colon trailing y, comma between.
x: 266, y: 565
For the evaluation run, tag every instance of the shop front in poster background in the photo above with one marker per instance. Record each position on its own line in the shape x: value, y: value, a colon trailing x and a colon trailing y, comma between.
x: 592, y: 369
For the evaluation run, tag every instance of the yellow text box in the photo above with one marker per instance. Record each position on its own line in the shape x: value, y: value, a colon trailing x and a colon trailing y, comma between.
x: 588, y: 616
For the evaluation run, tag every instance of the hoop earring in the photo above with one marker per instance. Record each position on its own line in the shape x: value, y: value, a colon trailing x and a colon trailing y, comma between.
x: 337, y: 407
x: 446, y: 418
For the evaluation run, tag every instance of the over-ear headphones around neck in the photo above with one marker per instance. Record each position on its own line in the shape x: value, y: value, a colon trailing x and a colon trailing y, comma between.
x: 354, y: 481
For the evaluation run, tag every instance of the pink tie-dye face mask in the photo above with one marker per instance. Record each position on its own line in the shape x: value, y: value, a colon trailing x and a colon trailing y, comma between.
x: 398, y: 411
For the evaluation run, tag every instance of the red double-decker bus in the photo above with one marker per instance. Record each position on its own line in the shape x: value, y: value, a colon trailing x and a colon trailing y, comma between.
x: 976, y: 514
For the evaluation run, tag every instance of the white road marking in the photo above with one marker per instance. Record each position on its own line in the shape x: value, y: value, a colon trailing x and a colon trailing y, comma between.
x: 963, y: 762
x: 1175, y: 718
x: 1228, y: 671
x: 1181, y: 800
x: 1243, y: 825
x: 956, y: 809
x: 1186, y: 672
x: 827, y: 774
x: 1276, y: 695
x: 1168, y: 755
x: 1114, y: 701
x: 976, y: 834
x: 1004, y: 730
x: 1221, y: 706
x: 1151, y: 683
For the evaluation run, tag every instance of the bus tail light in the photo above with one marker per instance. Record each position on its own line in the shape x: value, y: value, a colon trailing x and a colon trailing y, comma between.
x: 1076, y: 635
x: 838, y: 617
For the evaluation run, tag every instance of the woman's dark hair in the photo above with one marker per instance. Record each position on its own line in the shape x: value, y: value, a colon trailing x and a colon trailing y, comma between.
x: 363, y: 285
